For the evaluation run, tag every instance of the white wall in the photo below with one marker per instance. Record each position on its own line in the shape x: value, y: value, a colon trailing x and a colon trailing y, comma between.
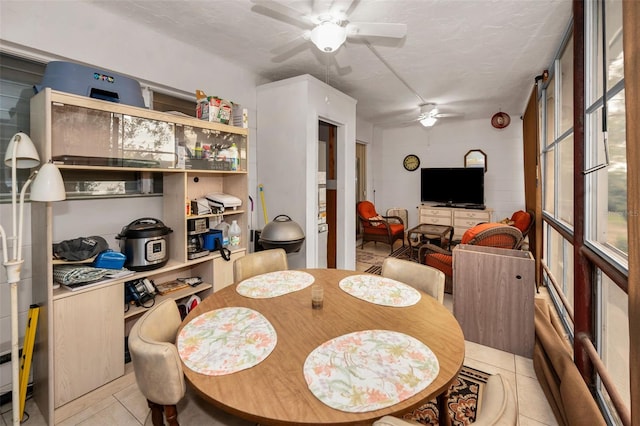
x: 444, y: 145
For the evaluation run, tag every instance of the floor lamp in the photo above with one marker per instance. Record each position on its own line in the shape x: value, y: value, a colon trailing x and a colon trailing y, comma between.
x: 46, y: 185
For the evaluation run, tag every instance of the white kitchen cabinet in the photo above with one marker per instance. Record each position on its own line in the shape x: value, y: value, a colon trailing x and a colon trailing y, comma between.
x: 81, y: 334
x: 288, y: 113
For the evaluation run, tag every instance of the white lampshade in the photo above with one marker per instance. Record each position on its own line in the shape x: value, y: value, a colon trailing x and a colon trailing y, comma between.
x: 48, y: 184
x: 26, y: 155
x: 328, y: 36
x: 428, y: 121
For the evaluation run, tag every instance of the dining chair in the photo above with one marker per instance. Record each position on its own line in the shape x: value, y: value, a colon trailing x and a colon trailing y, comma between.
x: 156, y: 362
x: 422, y: 277
x: 259, y: 262
x: 498, y: 407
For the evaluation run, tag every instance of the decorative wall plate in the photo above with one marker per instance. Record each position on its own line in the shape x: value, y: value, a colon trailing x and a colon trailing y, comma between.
x: 500, y: 120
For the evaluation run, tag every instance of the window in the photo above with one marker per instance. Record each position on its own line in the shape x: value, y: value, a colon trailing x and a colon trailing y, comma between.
x: 605, y: 195
x: 17, y: 77
x: 613, y: 340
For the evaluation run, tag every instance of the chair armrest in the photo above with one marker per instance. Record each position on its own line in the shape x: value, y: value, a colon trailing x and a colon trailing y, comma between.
x: 427, y: 248
x: 398, y: 218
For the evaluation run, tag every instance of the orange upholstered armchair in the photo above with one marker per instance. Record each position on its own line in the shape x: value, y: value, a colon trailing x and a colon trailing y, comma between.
x: 386, y: 229
x: 521, y: 220
x: 485, y: 234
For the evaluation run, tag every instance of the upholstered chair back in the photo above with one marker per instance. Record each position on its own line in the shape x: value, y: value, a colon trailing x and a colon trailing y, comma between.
x: 258, y: 263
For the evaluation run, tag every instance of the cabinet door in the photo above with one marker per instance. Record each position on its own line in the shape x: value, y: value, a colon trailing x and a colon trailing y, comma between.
x: 89, y: 341
x: 223, y: 270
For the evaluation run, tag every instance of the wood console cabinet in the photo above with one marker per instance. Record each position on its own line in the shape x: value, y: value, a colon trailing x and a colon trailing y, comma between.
x: 493, y: 292
x: 81, y: 334
x: 461, y: 219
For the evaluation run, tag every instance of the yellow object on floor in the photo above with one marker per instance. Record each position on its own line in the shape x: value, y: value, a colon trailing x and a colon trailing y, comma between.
x: 27, y: 354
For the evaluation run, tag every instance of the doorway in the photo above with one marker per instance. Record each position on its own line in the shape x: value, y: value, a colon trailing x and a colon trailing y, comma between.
x: 327, y: 137
x: 361, y: 179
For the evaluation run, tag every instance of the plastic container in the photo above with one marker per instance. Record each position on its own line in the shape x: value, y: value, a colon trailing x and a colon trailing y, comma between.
x: 233, y: 156
x: 224, y: 227
x: 234, y: 234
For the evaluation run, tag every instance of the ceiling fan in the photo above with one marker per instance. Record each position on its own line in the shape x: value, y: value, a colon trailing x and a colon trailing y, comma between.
x: 328, y: 30
x: 429, y: 115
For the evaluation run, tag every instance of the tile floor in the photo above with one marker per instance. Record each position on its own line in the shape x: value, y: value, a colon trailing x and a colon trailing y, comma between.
x: 121, y: 403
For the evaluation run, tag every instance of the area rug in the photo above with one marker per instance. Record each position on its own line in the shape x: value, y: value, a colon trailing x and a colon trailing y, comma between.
x: 464, y: 395
x: 376, y: 260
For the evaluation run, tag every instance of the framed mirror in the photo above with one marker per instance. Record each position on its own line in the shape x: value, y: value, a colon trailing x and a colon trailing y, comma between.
x: 476, y: 158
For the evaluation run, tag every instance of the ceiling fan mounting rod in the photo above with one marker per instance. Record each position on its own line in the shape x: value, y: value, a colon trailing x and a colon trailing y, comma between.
x: 394, y: 72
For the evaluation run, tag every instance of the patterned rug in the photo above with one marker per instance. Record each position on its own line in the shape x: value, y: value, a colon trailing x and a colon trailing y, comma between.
x: 376, y: 260
x: 463, y: 400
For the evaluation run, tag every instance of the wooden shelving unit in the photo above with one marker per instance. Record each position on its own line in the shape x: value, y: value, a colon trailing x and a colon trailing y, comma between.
x: 81, y: 333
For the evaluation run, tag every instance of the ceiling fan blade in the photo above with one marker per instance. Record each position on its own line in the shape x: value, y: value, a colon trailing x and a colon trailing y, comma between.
x: 284, y: 13
x: 448, y: 115
x: 376, y: 29
x: 290, y: 49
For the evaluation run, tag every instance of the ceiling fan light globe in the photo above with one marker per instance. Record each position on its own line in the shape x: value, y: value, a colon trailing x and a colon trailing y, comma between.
x: 428, y: 121
x: 328, y: 36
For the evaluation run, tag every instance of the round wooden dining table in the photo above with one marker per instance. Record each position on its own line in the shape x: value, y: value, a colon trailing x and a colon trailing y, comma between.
x: 274, y: 392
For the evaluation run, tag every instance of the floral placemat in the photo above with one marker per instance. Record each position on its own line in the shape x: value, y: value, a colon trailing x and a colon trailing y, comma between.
x: 226, y: 340
x: 380, y: 290
x: 273, y: 284
x: 369, y: 370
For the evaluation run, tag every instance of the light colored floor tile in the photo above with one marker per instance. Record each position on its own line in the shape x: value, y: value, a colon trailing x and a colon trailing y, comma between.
x: 90, y: 412
x: 133, y: 400
x: 193, y: 411
x: 495, y: 357
x: 526, y: 421
x: 114, y: 414
x: 532, y: 402
x: 524, y: 366
x: 32, y: 415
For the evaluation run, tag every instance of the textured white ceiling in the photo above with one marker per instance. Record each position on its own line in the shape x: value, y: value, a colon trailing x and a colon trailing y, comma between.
x: 473, y: 57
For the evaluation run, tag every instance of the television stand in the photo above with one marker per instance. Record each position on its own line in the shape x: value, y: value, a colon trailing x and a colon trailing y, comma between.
x: 461, y: 217
x: 462, y: 206
x: 475, y: 206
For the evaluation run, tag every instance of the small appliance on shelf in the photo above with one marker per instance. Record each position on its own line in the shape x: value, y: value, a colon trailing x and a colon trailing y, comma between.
x: 221, y: 202
x: 196, y: 229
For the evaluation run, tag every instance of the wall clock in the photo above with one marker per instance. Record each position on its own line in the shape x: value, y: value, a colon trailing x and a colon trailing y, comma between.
x: 411, y: 162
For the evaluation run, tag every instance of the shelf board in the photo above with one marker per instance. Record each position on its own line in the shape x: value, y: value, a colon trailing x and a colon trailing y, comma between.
x: 179, y: 294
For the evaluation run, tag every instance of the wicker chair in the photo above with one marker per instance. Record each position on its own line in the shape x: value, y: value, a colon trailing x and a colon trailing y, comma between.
x: 385, y: 229
x: 485, y: 234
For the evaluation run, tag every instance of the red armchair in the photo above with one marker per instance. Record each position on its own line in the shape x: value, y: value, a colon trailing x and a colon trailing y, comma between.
x: 485, y: 234
x: 385, y: 229
x: 521, y: 220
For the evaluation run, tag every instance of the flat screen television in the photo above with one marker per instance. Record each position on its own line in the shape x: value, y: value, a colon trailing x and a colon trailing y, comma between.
x: 454, y: 186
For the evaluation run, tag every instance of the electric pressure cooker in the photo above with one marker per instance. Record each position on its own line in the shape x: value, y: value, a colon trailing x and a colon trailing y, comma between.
x: 145, y: 244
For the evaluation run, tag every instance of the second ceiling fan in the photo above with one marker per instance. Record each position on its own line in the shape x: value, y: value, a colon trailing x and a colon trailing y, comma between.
x: 329, y: 29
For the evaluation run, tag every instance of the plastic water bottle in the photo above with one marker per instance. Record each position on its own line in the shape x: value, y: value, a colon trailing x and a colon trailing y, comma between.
x: 234, y: 235
x: 233, y: 155
x: 224, y: 227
